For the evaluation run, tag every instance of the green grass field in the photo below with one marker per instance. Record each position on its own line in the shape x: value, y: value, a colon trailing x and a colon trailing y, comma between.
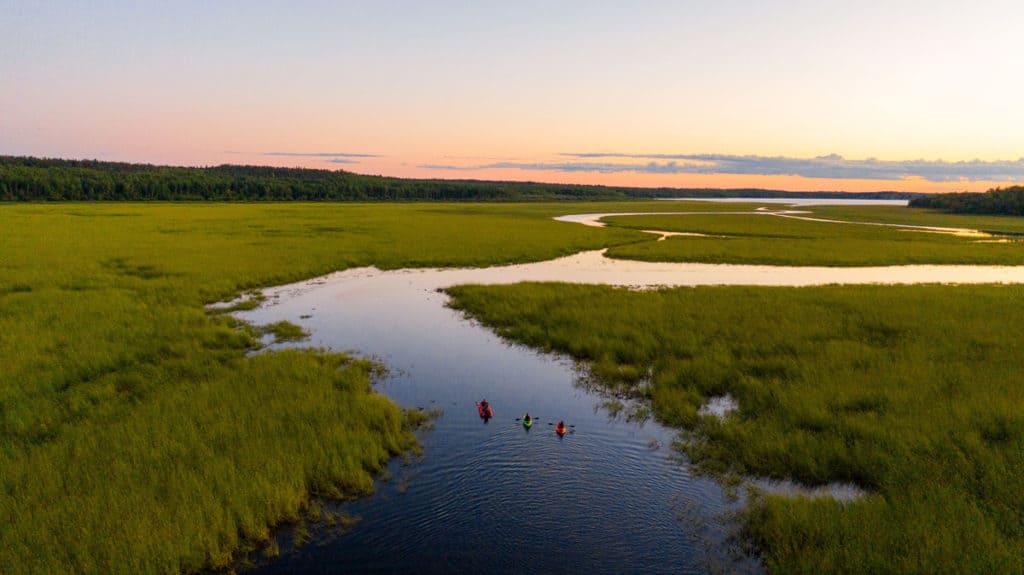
x: 762, y: 239
x: 135, y: 435
x: 913, y: 393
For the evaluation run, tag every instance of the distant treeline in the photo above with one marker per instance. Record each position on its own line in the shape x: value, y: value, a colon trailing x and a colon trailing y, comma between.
x: 37, y: 179
x: 999, y: 201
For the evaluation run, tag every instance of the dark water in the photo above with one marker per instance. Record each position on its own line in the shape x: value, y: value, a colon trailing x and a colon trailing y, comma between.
x: 494, y: 497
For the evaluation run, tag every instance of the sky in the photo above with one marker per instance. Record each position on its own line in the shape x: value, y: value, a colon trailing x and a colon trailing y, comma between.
x: 799, y: 95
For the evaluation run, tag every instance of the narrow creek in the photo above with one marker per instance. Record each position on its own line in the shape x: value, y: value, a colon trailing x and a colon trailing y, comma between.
x: 609, y: 497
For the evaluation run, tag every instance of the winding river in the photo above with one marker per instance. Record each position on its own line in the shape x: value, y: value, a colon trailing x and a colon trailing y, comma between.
x: 609, y: 497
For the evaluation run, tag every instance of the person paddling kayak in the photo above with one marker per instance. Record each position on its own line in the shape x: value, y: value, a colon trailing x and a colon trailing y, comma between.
x: 560, y: 428
x: 527, y: 421
x: 485, y: 409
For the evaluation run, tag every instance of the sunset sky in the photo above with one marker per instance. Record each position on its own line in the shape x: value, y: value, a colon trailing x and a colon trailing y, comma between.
x: 815, y: 95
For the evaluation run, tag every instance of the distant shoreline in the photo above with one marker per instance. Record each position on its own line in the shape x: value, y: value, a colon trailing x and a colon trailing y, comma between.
x: 28, y: 179
x: 804, y: 201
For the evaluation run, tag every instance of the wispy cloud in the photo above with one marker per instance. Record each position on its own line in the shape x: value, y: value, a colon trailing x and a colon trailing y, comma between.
x: 831, y: 166
x: 341, y: 161
x: 552, y: 167
x: 493, y: 158
x: 321, y: 154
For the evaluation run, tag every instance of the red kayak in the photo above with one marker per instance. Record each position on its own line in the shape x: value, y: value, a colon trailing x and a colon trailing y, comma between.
x: 485, y: 410
x: 560, y: 428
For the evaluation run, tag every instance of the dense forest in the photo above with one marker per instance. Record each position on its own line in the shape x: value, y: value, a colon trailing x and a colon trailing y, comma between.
x: 37, y: 179
x: 998, y: 201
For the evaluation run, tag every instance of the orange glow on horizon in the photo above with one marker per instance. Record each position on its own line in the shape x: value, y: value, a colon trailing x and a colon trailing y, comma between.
x: 387, y: 165
x: 381, y: 166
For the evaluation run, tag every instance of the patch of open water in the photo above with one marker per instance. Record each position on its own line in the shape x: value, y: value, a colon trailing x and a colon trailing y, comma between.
x: 796, y: 201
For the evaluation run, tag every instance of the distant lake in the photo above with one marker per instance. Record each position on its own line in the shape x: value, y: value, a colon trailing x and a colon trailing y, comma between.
x: 796, y: 201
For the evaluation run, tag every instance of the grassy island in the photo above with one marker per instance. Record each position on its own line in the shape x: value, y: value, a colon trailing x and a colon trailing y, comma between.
x: 754, y: 238
x: 911, y: 392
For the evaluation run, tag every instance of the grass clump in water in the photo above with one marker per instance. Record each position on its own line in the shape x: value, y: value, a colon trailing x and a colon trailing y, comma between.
x: 284, y: 331
x: 418, y: 418
x: 912, y: 392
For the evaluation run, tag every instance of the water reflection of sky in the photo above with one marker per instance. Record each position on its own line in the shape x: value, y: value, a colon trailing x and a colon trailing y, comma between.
x: 608, y: 498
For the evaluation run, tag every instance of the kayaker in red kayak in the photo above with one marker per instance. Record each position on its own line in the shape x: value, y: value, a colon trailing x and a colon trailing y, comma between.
x: 560, y: 428
x: 485, y: 409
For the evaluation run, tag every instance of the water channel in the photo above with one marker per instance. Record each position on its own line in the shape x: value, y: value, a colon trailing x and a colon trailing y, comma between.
x: 609, y: 497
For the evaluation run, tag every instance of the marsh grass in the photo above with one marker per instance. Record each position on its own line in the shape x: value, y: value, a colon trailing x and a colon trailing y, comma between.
x: 423, y: 419
x: 249, y: 301
x: 245, y: 305
x: 136, y: 435
x: 283, y: 331
x: 1011, y: 225
x: 774, y: 240
x: 912, y: 392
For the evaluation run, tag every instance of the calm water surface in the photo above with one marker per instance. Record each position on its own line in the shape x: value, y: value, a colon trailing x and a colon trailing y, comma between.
x: 796, y: 201
x: 493, y: 496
